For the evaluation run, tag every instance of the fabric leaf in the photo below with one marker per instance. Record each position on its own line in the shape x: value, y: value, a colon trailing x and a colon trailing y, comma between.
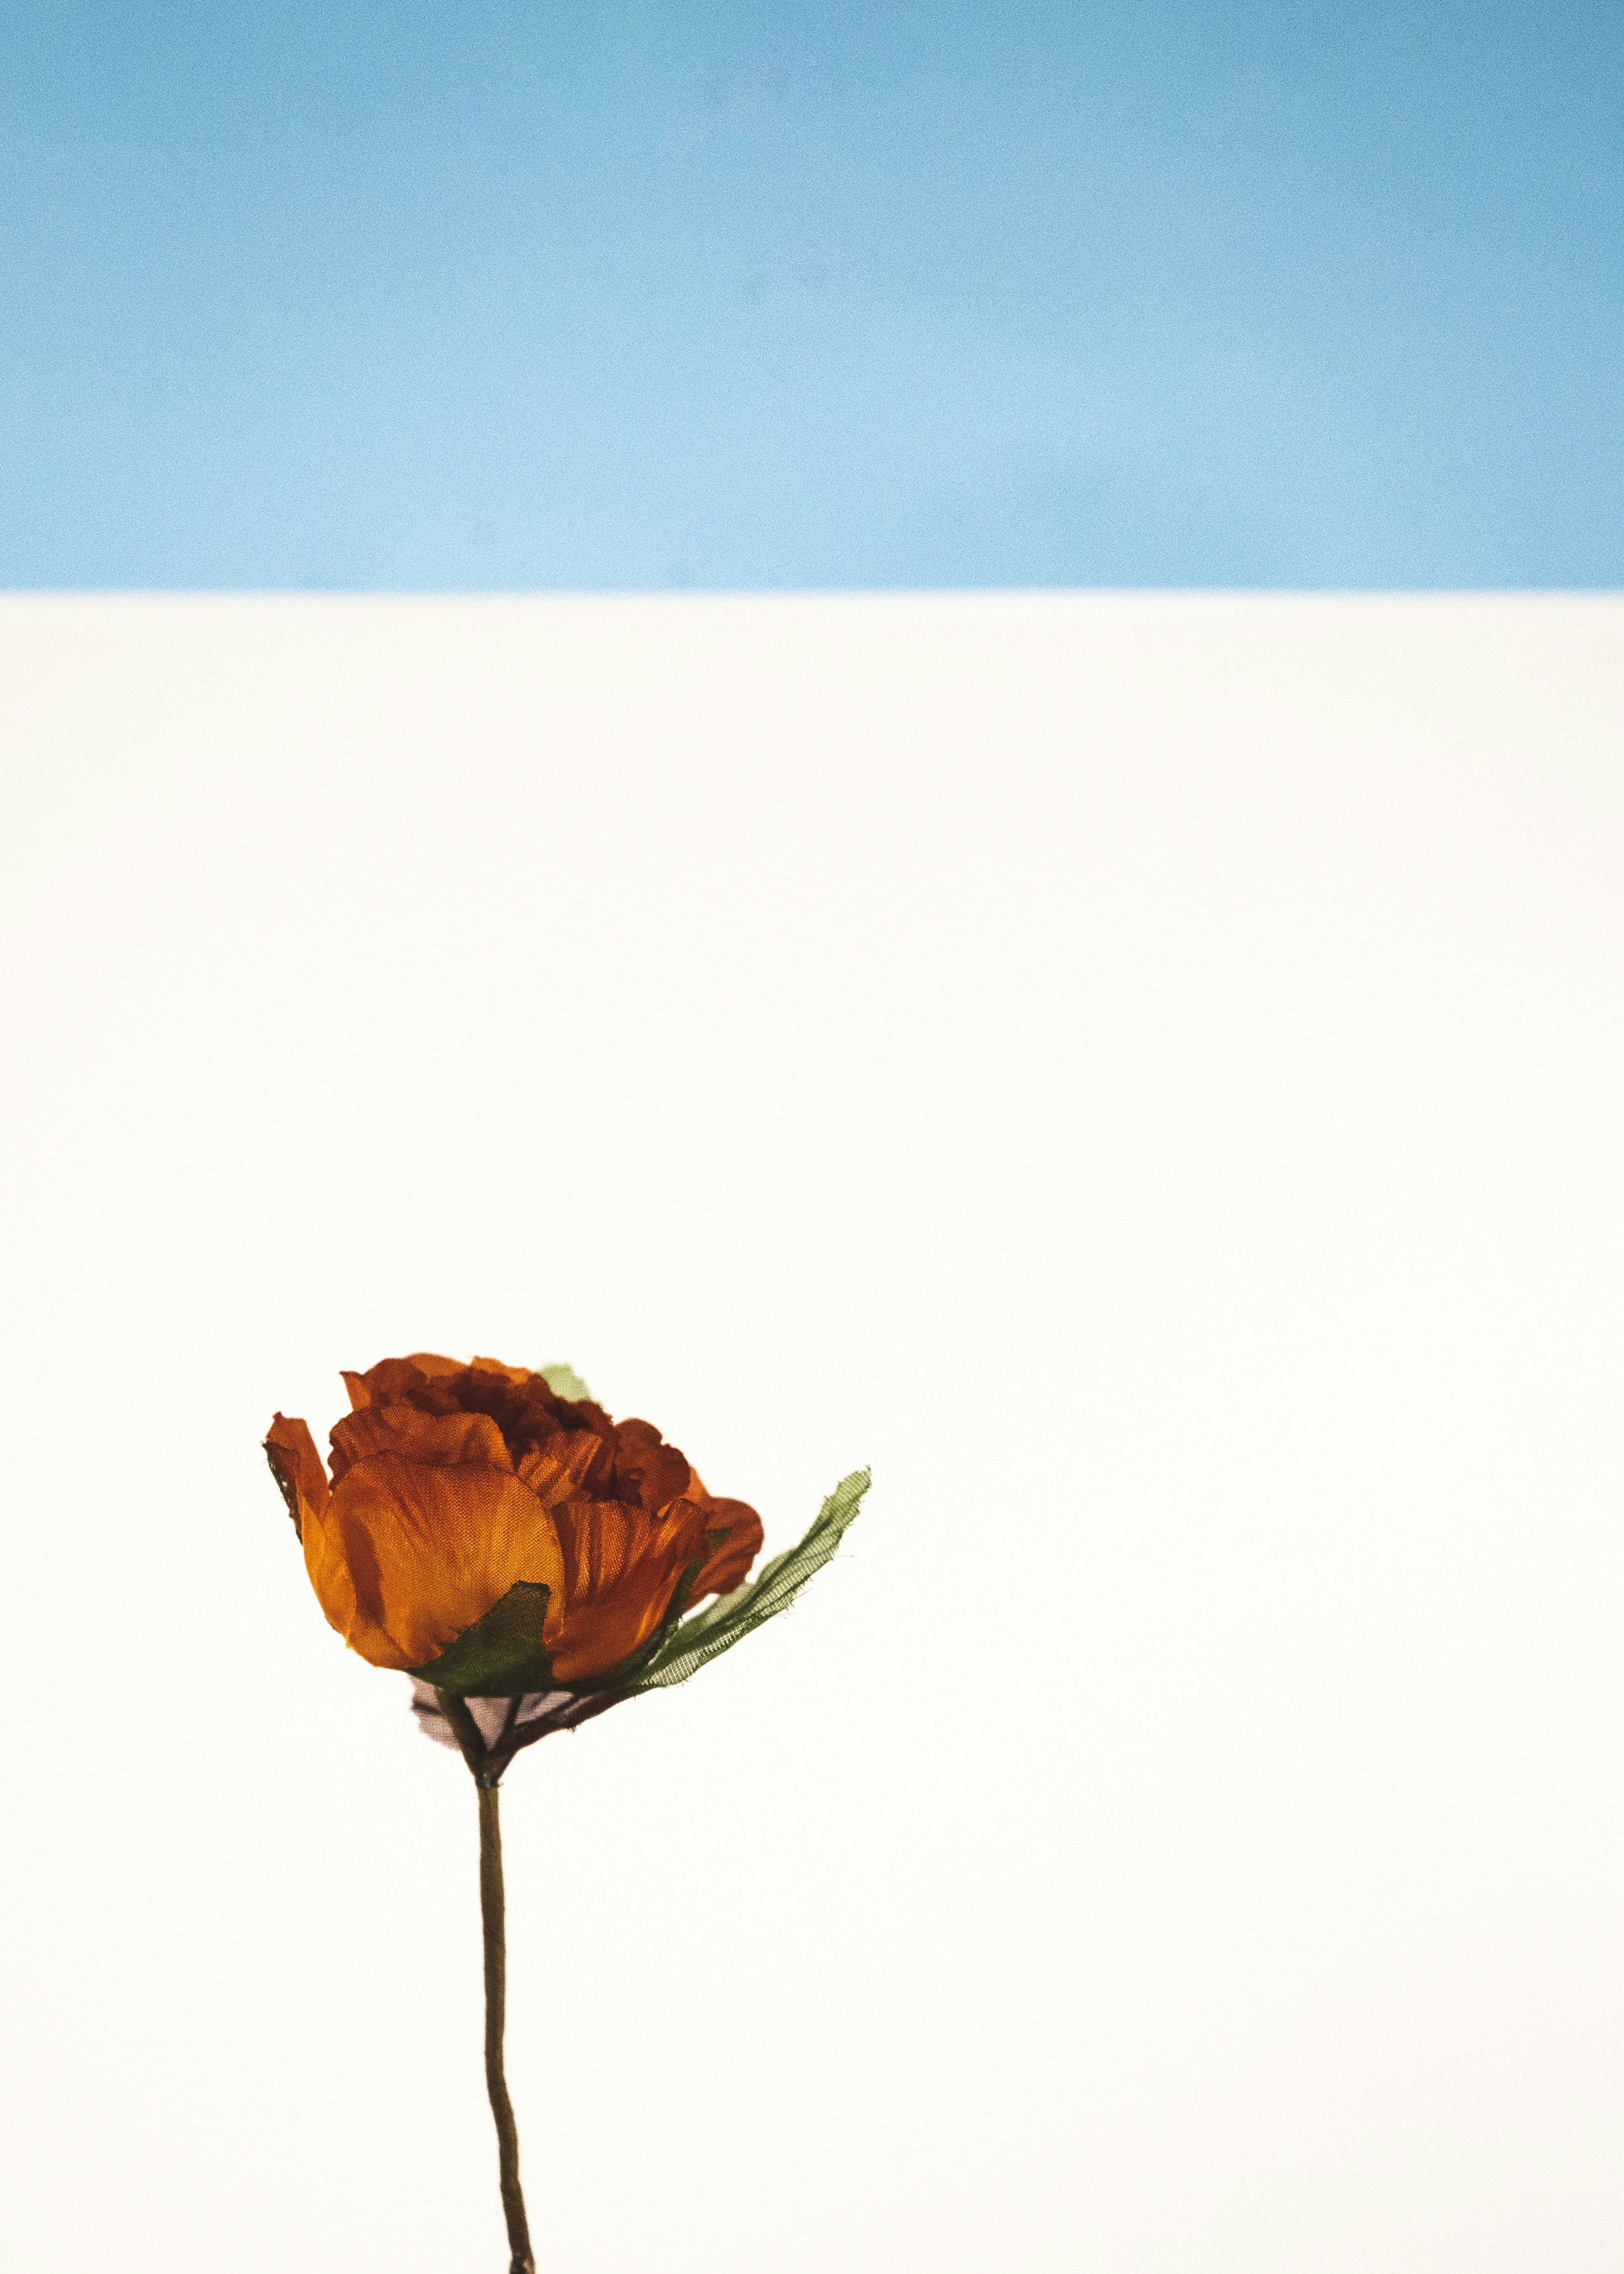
x: 696, y: 1641
x: 502, y: 1654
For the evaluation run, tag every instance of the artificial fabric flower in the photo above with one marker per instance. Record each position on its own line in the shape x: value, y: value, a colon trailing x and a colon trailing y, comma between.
x: 453, y: 1484
x: 530, y: 1563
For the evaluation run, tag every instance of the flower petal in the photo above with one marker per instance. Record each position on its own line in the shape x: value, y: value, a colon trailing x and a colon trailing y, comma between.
x: 526, y: 1412
x: 519, y: 1374
x: 292, y: 1453
x: 439, y: 1439
x: 409, y: 1553
x: 735, y: 1536
x: 643, y: 1468
x: 555, y: 1471
x: 620, y: 1566
x: 392, y: 1378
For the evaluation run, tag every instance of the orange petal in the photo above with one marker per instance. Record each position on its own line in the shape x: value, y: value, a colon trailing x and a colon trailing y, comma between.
x: 620, y: 1565
x: 554, y: 1470
x: 494, y: 1365
x: 645, y: 1468
x: 410, y: 1553
x: 732, y: 1553
x: 389, y: 1381
x: 437, y: 1438
x: 298, y: 1468
x: 395, y: 1376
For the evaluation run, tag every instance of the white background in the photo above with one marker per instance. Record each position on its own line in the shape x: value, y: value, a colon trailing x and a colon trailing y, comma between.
x: 1145, y: 1073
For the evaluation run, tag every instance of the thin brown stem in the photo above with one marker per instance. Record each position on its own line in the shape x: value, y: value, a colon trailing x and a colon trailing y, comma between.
x: 492, y: 1913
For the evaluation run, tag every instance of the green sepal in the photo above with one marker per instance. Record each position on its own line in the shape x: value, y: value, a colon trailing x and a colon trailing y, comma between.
x: 696, y: 1641
x: 502, y: 1654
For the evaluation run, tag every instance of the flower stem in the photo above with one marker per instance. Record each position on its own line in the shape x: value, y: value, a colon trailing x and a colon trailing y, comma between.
x: 492, y: 1914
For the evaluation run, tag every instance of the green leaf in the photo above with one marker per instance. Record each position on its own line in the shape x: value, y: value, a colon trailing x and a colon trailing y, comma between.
x: 502, y: 1654
x: 720, y: 1624
x: 564, y: 1381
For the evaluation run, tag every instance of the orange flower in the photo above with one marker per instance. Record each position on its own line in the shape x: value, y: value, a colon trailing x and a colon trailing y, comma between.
x: 460, y: 1493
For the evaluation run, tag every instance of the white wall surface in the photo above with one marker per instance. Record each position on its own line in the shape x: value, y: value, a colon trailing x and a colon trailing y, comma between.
x: 1146, y: 1073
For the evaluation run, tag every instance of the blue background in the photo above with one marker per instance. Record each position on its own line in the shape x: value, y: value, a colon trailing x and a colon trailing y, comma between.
x: 550, y: 295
